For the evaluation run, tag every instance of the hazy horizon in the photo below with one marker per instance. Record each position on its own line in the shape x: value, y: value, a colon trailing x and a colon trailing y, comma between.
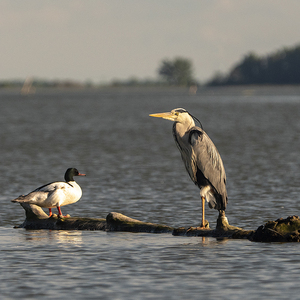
x: 101, y: 41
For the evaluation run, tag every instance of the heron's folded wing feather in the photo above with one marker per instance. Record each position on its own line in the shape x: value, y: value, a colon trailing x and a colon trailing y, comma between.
x: 208, y: 159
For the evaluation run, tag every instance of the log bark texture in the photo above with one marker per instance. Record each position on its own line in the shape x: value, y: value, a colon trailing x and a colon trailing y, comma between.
x: 223, y: 230
x: 281, y: 230
x: 118, y: 222
x: 36, y: 218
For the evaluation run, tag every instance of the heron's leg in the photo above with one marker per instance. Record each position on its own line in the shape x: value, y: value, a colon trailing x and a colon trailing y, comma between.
x: 50, y: 212
x: 203, y: 211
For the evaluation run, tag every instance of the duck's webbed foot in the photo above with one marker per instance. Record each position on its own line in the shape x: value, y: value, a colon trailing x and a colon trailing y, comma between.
x: 60, y: 215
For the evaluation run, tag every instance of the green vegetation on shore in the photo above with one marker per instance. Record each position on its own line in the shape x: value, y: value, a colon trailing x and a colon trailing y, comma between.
x: 280, y: 67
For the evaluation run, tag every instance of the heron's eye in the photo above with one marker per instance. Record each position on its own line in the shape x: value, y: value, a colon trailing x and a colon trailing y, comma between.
x: 177, y: 113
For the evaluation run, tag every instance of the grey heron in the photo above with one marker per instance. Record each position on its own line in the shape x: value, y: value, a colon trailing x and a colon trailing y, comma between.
x: 201, y: 159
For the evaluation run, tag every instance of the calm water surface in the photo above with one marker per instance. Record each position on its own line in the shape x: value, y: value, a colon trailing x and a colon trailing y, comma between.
x: 134, y: 167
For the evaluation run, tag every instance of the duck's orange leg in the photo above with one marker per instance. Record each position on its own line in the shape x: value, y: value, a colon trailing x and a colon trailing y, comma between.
x: 60, y: 213
x: 50, y: 212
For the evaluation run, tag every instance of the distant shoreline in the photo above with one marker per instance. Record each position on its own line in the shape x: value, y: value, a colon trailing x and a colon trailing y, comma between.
x: 230, y: 90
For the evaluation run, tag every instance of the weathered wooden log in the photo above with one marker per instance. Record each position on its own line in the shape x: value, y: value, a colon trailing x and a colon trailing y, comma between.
x: 36, y: 218
x: 118, y: 222
x: 281, y: 230
x: 223, y: 229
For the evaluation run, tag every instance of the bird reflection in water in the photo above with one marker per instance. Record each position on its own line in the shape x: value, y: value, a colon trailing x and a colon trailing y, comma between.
x: 60, y: 236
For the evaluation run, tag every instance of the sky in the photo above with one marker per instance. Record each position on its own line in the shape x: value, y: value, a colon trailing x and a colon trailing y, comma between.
x: 105, y: 40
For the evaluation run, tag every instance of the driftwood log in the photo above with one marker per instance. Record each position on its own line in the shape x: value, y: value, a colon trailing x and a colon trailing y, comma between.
x: 281, y: 230
x: 36, y: 218
x: 223, y: 230
x: 118, y: 222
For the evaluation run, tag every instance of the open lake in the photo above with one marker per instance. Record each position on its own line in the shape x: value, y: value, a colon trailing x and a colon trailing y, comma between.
x: 134, y: 167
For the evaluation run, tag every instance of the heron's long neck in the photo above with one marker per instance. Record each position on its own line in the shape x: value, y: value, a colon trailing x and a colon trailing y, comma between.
x: 180, y: 132
x: 183, y: 128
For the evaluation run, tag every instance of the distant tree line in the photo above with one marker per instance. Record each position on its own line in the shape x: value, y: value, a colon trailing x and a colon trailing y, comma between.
x: 281, y: 67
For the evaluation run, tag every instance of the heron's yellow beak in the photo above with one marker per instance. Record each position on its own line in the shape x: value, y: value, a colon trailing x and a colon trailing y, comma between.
x: 166, y: 115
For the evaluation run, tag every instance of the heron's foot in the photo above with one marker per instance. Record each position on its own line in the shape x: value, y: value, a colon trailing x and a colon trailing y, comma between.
x: 190, y: 229
x: 204, y: 225
x: 196, y: 228
x: 201, y: 227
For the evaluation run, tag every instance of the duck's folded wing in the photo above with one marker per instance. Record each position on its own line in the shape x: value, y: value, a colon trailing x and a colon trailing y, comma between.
x: 49, y: 187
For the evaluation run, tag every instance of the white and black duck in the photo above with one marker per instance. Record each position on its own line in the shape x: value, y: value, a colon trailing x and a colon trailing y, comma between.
x: 55, y: 194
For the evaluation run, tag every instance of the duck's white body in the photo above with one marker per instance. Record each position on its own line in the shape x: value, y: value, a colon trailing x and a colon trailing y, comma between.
x: 54, y: 194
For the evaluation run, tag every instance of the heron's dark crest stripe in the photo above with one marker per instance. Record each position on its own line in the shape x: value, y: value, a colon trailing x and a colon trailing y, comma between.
x: 181, y: 110
x: 195, y: 119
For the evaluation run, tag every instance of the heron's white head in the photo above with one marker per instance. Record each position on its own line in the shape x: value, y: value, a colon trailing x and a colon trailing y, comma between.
x: 179, y: 115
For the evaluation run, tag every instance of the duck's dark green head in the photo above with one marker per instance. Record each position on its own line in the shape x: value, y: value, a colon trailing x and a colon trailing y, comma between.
x: 70, y: 173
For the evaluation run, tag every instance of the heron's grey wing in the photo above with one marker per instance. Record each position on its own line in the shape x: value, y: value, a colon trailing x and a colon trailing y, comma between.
x: 208, y: 160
